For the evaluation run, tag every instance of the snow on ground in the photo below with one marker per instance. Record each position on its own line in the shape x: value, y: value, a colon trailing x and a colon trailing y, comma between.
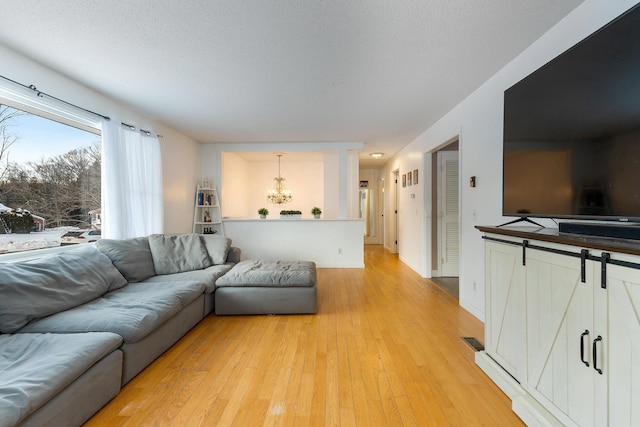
x: 36, y: 240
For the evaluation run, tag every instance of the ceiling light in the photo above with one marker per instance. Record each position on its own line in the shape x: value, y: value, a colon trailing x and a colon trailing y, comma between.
x: 376, y: 155
x: 279, y: 194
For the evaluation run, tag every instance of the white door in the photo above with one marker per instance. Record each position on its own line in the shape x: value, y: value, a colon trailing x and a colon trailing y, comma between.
x: 504, y: 331
x: 448, y: 214
x: 561, y: 329
x: 394, y: 243
x: 623, y: 363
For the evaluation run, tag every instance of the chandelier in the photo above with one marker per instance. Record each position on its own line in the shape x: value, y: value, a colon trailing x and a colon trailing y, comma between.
x: 279, y: 194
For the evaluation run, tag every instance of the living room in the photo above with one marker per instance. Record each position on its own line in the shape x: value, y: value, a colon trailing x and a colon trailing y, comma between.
x: 474, y: 116
x: 478, y: 117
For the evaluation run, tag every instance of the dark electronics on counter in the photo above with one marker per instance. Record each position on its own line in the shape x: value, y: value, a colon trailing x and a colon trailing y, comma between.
x: 572, y: 135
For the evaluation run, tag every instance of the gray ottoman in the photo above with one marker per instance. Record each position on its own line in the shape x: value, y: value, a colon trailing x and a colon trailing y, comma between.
x: 267, y: 287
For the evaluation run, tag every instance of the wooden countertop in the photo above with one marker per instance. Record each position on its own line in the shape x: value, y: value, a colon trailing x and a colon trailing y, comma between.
x: 626, y: 246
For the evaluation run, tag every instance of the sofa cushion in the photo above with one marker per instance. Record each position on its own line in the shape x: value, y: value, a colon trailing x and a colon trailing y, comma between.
x: 54, y: 283
x: 132, y: 312
x: 36, y: 367
x: 270, y: 273
x: 217, y: 247
x: 178, y: 253
x: 207, y: 276
x: 131, y: 256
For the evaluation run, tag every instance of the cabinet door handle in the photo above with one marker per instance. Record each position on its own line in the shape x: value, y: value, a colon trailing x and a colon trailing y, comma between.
x: 595, y: 354
x: 585, y: 333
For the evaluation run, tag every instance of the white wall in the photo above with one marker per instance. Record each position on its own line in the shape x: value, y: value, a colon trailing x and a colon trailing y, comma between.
x: 235, y: 172
x: 180, y: 155
x: 329, y: 243
x: 181, y: 174
x: 331, y: 206
x: 478, y: 122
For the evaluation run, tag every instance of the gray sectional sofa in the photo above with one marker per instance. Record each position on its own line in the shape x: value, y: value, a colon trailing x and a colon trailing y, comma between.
x: 78, y: 325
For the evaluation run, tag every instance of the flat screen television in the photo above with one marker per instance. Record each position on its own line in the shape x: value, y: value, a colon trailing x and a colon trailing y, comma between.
x: 572, y: 131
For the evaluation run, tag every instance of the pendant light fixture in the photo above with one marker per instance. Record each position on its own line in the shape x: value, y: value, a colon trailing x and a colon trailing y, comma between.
x: 279, y: 195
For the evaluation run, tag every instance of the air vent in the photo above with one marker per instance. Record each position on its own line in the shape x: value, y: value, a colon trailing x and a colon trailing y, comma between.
x: 473, y: 343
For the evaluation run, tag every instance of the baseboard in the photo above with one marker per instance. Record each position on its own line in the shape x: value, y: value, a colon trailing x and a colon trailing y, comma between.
x: 472, y: 309
x: 503, y: 380
x: 526, y: 407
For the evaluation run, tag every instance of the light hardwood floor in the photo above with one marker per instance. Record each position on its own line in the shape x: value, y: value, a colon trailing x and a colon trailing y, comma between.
x: 385, y: 349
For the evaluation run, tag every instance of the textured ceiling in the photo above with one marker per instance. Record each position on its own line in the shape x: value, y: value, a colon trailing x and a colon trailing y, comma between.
x: 375, y: 71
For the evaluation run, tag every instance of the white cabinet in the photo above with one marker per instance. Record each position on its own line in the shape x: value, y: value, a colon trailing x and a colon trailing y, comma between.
x: 505, y: 301
x: 563, y: 321
x: 570, y: 339
x: 207, y: 218
x: 623, y: 362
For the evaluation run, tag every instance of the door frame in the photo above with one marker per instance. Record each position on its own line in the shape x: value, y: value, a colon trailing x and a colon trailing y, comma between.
x: 452, y: 144
x: 393, y: 212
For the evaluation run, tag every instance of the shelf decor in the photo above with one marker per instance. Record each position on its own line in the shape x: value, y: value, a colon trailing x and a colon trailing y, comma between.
x: 207, y: 218
x: 290, y: 214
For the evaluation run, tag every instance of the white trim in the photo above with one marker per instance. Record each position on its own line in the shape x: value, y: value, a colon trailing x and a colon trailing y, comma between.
x: 24, y: 99
x: 523, y: 404
x: 479, y: 314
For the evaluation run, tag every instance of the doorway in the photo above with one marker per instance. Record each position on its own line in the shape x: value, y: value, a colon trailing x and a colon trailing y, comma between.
x: 394, y: 213
x: 446, y: 218
x: 369, y: 213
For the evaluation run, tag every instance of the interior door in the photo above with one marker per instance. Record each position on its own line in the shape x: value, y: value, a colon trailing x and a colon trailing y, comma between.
x: 394, y: 243
x: 448, y: 213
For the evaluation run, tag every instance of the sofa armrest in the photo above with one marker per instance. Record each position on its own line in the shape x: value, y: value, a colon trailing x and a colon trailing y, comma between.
x: 234, y: 255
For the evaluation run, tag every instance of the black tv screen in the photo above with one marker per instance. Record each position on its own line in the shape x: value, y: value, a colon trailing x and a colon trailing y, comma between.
x: 572, y: 131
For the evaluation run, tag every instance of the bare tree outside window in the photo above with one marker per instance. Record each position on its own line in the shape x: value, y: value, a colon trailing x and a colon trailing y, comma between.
x: 50, y: 171
x: 7, y: 138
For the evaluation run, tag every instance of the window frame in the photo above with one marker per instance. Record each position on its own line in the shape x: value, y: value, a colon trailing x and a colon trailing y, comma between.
x: 23, y: 99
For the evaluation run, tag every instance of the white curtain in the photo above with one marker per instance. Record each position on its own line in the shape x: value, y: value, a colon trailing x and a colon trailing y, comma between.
x: 131, y: 183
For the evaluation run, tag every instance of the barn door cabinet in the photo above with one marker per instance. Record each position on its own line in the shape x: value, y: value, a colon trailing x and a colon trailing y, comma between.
x: 504, y: 330
x: 562, y: 330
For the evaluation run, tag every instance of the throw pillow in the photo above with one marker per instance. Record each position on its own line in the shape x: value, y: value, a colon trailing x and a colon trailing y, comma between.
x: 217, y: 248
x: 131, y: 256
x: 178, y: 253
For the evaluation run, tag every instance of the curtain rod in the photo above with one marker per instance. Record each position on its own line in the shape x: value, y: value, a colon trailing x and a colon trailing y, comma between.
x: 41, y: 94
x: 132, y: 127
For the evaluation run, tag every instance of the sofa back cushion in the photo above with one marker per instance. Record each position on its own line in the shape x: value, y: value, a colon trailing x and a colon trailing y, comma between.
x: 131, y: 256
x: 178, y: 253
x: 52, y: 284
x: 217, y: 247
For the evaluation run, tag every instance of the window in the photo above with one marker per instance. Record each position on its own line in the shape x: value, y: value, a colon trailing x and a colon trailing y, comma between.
x: 50, y: 180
